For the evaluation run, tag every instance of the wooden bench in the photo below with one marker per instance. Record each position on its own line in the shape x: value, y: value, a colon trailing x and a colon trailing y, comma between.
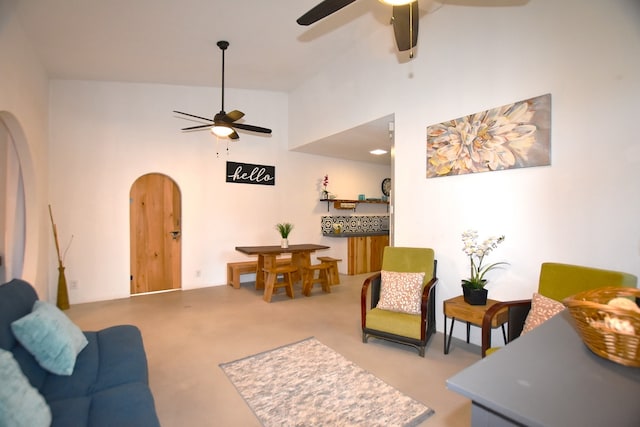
x: 235, y: 269
x: 333, y: 270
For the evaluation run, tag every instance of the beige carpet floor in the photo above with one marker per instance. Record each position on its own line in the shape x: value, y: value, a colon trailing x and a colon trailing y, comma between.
x: 187, y: 334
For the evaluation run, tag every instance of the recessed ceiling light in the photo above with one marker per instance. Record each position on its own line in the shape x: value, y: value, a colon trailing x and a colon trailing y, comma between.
x: 378, y: 152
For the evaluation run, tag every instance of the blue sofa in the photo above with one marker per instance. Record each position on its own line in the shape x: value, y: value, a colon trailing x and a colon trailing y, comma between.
x: 109, y: 383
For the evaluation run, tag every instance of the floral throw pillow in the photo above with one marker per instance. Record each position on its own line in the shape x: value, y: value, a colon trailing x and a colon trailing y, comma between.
x: 542, y: 309
x: 401, y: 292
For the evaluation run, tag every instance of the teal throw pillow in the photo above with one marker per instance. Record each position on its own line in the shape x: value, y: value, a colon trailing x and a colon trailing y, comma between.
x: 51, y: 337
x: 20, y: 403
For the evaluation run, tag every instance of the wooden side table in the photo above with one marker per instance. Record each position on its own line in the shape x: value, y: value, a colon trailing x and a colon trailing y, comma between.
x: 457, y: 308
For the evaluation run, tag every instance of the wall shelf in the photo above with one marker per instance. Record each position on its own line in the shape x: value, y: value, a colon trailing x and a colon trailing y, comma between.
x: 352, y: 204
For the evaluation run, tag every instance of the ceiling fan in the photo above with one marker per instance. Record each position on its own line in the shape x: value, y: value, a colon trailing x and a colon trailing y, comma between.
x: 223, y: 124
x: 404, y: 19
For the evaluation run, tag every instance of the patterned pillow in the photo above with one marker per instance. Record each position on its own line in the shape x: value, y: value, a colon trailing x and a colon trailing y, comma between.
x: 401, y: 292
x: 542, y: 309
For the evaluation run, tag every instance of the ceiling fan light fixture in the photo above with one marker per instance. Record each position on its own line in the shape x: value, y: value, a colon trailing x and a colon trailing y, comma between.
x: 378, y: 152
x: 397, y: 2
x: 221, y: 131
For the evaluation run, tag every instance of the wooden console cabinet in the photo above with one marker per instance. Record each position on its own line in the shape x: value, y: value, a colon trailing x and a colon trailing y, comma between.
x: 365, y: 253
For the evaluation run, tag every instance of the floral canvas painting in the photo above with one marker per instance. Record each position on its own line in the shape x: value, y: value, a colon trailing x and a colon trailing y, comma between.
x: 513, y: 136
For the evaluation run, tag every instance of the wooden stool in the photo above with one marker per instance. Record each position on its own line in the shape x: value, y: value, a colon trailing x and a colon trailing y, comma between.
x: 272, y: 283
x: 309, y: 278
x: 334, y: 275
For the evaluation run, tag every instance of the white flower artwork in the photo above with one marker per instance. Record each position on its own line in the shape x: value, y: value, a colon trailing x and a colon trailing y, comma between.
x: 513, y: 136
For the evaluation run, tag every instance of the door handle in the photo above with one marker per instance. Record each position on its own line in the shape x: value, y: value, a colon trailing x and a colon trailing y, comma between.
x: 175, y: 234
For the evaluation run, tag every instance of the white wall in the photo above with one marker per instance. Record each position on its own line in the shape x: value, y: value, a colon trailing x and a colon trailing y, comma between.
x: 24, y: 111
x: 582, y: 209
x: 104, y: 135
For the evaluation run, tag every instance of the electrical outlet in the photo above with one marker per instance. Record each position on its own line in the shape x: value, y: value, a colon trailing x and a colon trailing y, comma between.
x: 73, y: 284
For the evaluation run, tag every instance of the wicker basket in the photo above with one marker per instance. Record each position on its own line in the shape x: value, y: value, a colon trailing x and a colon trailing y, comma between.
x: 594, y: 318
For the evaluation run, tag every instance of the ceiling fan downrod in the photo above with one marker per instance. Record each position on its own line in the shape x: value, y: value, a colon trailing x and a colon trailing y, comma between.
x: 223, y: 45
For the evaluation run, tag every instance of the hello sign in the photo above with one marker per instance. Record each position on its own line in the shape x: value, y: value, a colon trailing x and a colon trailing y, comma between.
x: 247, y: 173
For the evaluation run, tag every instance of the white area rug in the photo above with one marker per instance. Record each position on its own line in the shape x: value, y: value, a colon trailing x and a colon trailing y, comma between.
x: 308, y: 384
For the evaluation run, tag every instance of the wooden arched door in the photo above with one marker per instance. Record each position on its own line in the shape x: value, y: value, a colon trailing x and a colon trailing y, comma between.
x: 155, y: 234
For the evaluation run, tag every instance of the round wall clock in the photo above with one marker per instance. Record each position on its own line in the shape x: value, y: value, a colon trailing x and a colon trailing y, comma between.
x: 386, y: 186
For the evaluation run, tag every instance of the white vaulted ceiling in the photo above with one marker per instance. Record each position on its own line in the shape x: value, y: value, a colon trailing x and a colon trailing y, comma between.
x: 174, y: 42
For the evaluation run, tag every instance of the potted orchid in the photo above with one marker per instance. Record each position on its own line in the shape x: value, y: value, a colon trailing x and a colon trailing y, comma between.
x: 325, y: 183
x: 474, y: 287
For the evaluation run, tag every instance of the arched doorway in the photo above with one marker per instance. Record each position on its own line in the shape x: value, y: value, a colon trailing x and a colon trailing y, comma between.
x: 155, y: 234
x: 12, y: 208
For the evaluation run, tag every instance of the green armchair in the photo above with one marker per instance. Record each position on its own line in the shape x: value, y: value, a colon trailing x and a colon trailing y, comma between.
x: 405, y: 328
x: 557, y: 281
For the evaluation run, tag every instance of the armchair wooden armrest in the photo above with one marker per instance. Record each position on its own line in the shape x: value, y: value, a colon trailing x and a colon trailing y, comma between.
x: 375, y: 295
x: 517, y: 313
x: 428, y: 316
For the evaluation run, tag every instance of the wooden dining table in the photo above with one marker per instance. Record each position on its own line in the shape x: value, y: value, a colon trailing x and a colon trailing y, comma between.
x: 300, y: 257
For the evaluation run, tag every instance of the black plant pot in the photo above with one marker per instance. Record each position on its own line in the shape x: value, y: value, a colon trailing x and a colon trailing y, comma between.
x: 474, y: 296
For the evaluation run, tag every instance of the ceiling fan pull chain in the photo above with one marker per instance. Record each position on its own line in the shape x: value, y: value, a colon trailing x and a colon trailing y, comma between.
x: 410, y: 32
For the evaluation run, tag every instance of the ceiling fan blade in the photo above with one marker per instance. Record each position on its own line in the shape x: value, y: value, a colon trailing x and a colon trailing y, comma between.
x: 405, y: 25
x: 191, y: 115
x: 233, y: 116
x: 251, y: 128
x: 197, y: 127
x: 234, y: 135
x: 322, y: 10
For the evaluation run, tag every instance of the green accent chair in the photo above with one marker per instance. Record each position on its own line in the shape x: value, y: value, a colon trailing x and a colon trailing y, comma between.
x: 411, y: 329
x: 557, y: 281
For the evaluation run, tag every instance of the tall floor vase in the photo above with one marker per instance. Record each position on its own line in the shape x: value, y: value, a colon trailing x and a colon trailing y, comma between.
x: 63, y: 296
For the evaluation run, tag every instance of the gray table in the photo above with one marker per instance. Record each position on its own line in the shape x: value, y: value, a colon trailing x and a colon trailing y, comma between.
x: 548, y: 377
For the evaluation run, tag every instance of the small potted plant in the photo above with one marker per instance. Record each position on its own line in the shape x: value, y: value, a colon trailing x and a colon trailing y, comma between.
x: 473, y: 288
x: 325, y: 183
x: 284, y: 229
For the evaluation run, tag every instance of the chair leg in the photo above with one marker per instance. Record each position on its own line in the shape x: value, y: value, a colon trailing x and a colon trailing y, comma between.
x: 324, y: 278
x: 268, y: 287
x: 335, y: 276
x: 289, y: 284
x: 307, y: 282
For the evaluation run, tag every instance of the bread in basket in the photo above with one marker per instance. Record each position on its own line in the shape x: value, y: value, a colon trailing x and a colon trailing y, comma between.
x: 608, y: 320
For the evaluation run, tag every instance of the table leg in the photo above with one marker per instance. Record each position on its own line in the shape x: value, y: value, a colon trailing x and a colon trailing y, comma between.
x: 504, y: 335
x: 264, y: 261
x: 468, y: 331
x: 268, y: 287
x: 445, y: 335
x: 447, y: 343
x: 301, y: 260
